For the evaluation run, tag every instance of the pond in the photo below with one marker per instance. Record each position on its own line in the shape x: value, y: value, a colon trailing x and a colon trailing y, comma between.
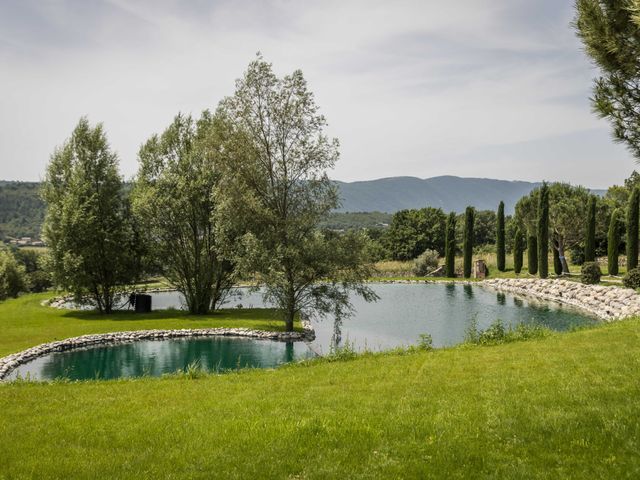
x: 398, y: 318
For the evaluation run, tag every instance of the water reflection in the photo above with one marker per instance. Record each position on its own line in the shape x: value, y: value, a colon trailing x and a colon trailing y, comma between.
x: 155, y: 358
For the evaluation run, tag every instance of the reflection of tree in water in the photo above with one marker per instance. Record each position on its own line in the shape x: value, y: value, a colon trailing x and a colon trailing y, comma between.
x: 336, y: 337
x: 501, y: 298
x: 518, y: 302
x: 468, y: 291
x: 450, y: 290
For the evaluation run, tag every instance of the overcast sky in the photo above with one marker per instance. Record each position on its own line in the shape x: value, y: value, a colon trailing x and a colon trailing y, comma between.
x: 475, y: 88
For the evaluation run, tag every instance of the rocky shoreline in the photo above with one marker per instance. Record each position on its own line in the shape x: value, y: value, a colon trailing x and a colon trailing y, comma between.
x: 607, y: 303
x: 11, y: 362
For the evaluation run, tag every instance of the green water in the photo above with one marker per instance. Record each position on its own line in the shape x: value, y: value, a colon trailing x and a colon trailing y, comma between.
x: 157, y: 357
x: 401, y: 315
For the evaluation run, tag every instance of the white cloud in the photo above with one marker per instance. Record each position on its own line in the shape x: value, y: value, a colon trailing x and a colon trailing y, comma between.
x: 411, y: 88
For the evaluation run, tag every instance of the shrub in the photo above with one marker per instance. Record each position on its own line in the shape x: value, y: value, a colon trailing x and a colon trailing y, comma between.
x: 591, y: 273
x: 632, y: 278
x: 39, y: 281
x: 425, y: 342
x: 426, y: 263
x: 12, y: 276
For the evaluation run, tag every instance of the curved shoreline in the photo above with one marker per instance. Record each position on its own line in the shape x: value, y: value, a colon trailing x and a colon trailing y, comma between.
x: 11, y: 362
x: 608, y: 303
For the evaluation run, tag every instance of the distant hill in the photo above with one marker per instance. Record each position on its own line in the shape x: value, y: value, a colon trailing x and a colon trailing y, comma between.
x: 447, y: 192
x: 22, y: 210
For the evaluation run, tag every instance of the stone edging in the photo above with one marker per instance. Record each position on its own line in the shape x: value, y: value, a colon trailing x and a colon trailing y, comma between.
x: 607, y: 303
x: 11, y: 362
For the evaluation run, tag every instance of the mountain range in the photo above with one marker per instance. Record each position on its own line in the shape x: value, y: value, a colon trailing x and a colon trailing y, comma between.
x: 447, y: 192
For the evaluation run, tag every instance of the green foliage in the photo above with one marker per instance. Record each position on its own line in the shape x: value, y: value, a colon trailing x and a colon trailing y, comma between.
x: 632, y: 278
x: 543, y: 231
x: 567, y: 211
x: 450, y: 249
x: 88, y: 228
x: 590, y: 273
x: 13, y: 278
x: 175, y: 199
x: 532, y: 254
x: 500, y: 240
x: 426, y: 263
x: 467, y: 246
x: 413, y: 231
x: 518, y: 250
x: 590, y: 238
x: 497, y: 333
x: 613, y: 243
x: 609, y: 30
x: 633, y: 210
x: 21, y: 210
x: 277, y: 178
x: 425, y: 342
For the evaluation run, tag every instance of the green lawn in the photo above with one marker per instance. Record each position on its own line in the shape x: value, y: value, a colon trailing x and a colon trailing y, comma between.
x: 564, y: 406
x: 24, y: 322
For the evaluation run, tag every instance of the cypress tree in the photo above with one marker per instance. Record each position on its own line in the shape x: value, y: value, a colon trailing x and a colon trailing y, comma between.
x: 532, y: 254
x: 557, y: 264
x: 468, y: 241
x: 590, y: 239
x: 613, y: 242
x: 500, y: 244
x: 518, y: 248
x: 632, y: 229
x: 450, y: 246
x: 543, y: 231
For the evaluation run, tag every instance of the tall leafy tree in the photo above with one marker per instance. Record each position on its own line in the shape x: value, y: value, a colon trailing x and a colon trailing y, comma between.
x: 467, y: 246
x: 277, y: 170
x: 610, y: 32
x: 590, y: 238
x: 450, y: 249
x: 518, y: 250
x: 411, y: 232
x: 88, y: 229
x: 175, y: 198
x: 543, y: 231
x: 500, y: 239
x: 613, y: 242
x: 632, y: 228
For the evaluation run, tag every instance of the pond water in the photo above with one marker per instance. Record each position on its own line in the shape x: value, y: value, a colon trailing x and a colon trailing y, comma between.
x: 398, y: 318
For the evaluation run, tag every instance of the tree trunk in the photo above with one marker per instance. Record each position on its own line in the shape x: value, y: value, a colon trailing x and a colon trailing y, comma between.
x: 563, y: 259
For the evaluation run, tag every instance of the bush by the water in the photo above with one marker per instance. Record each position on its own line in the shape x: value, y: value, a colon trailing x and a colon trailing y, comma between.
x: 426, y: 263
x: 497, y: 333
x: 591, y: 273
x: 632, y: 278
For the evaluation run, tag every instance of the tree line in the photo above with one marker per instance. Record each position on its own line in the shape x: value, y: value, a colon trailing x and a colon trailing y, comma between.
x: 235, y: 193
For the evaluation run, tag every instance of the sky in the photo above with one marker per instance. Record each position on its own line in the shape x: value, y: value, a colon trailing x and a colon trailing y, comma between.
x: 474, y: 88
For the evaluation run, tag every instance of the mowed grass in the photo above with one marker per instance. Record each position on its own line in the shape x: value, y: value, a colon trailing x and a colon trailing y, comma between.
x: 564, y: 406
x: 24, y: 322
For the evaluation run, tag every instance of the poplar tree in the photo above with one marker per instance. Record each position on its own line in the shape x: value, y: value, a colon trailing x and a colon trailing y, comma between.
x: 632, y: 229
x: 532, y: 255
x: 590, y: 237
x: 613, y: 242
x: 500, y: 241
x: 450, y: 246
x: 468, y: 241
x: 518, y: 249
x: 543, y: 231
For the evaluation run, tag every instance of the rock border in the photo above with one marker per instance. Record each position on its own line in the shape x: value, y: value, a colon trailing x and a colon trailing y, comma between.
x: 608, y: 303
x: 9, y: 363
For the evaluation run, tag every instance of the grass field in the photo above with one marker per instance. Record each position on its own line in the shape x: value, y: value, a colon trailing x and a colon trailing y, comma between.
x: 25, y: 323
x: 564, y: 406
